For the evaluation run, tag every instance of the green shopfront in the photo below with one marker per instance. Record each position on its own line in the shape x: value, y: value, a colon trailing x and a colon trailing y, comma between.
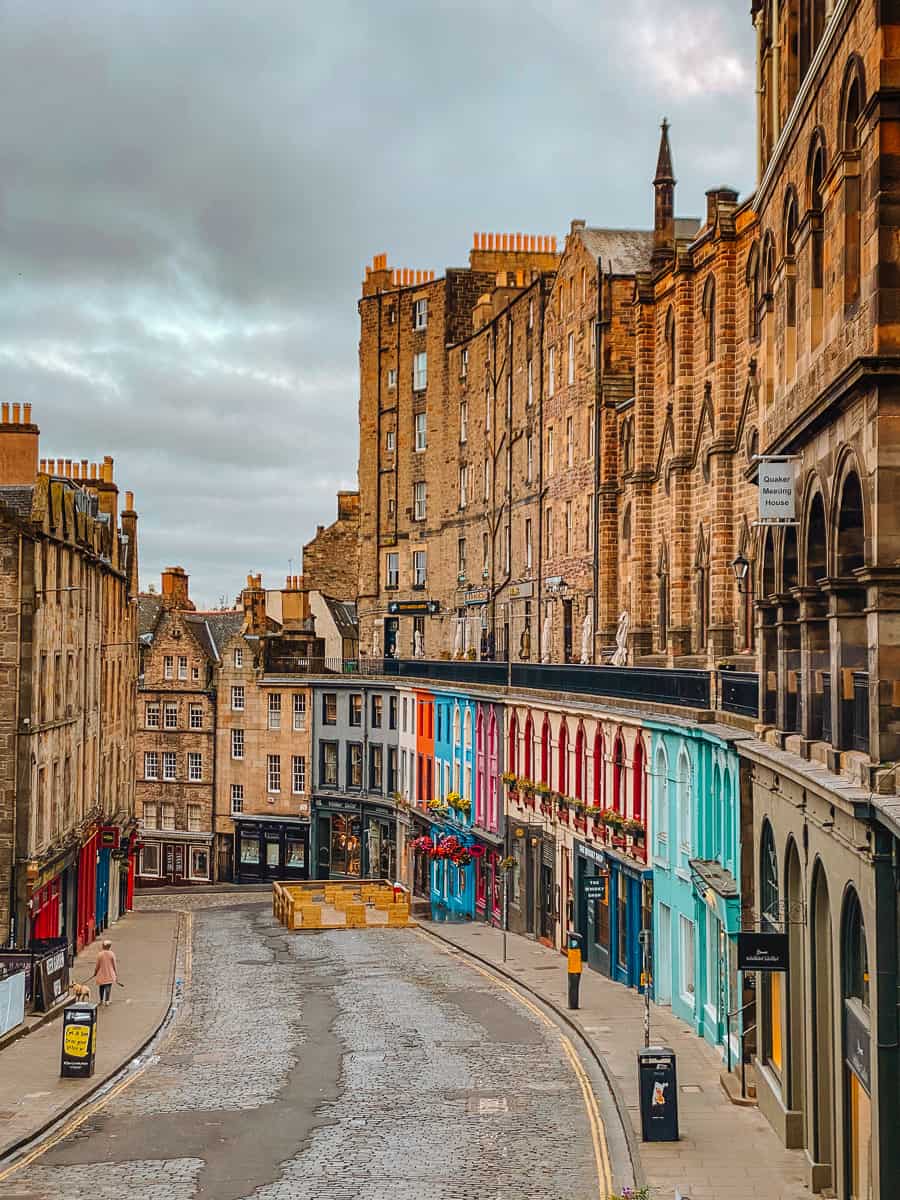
x: 355, y: 840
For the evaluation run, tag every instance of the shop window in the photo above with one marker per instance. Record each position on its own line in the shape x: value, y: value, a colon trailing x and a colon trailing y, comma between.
x: 295, y: 854
x: 249, y: 850
x: 345, y: 844
x: 150, y: 860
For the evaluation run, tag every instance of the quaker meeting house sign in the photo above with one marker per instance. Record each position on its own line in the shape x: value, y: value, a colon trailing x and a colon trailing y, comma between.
x: 777, y: 501
x: 762, y: 951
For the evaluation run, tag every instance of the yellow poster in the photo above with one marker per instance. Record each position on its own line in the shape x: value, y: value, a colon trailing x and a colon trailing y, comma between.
x: 76, y: 1039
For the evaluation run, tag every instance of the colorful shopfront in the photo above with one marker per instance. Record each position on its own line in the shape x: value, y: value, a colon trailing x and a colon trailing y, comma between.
x: 696, y: 874
x: 613, y: 904
x: 487, y: 818
x: 354, y: 839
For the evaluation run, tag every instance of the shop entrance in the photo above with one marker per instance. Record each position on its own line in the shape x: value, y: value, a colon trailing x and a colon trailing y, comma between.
x: 548, y: 903
x: 391, y: 628
x: 382, y: 849
x: 339, y: 844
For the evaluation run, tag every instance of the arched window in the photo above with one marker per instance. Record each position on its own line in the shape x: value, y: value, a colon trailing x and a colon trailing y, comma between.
x: 790, y: 575
x: 618, y: 799
x: 628, y: 446
x: 661, y: 800
x: 456, y: 727
x: 768, y: 566
x: 812, y: 26
x: 662, y: 575
x: 580, y: 762
x: 851, y: 109
x: 599, y: 769
x: 467, y: 726
x: 683, y: 804
x: 728, y: 857
x: 701, y: 568
x: 709, y: 318
x: 851, y: 532
x: 817, y: 238
x: 670, y: 347
x: 563, y: 765
x: 769, y: 893
x: 626, y: 527
x: 639, y: 780
x: 545, y: 751
x: 790, y: 249
x: 856, y: 953
x: 752, y: 281
x: 528, y: 747
x: 491, y: 773
x: 767, y: 281
x: 480, y: 769
x: 512, y: 753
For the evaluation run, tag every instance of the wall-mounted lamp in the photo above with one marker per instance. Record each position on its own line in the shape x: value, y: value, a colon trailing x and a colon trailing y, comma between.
x: 740, y: 566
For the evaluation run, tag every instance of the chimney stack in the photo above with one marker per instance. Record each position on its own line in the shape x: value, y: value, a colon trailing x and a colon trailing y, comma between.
x: 19, y: 440
x: 253, y: 600
x: 175, y: 593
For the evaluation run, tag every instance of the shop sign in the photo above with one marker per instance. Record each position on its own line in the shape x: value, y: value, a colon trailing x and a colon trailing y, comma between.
x: 51, y: 976
x: 776, y: 490
x: 594, y: 887
x: 521, y: 591
x: 859, y: 1044
x: 109, y: 838
x: 414, y: 607
x: 120, y: 855
x: 475, y: 596
x: 589, y: 852
x: 762, y: 951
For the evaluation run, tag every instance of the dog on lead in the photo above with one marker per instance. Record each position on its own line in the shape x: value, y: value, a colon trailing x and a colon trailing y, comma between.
x: 81, y: 991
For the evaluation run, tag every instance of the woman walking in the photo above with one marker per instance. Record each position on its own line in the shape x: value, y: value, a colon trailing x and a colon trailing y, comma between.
x: 105, y: 971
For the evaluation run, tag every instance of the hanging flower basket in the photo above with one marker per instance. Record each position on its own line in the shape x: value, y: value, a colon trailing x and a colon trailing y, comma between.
x: 476, y: 851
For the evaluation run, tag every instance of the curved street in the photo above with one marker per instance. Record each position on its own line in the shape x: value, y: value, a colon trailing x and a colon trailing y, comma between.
x: 357, y: 1065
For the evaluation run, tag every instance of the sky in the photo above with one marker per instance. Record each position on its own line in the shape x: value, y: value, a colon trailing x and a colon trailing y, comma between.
x: 189, y: 193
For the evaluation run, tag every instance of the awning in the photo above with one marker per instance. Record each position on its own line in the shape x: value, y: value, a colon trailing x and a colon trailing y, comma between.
x: 718, y: 889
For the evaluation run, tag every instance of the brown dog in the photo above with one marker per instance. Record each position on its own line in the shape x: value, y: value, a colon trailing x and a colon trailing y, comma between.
x: 81, y: 991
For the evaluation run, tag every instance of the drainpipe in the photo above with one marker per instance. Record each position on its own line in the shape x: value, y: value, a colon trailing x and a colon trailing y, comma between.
x: 539, y: 618
x: 598, y: 400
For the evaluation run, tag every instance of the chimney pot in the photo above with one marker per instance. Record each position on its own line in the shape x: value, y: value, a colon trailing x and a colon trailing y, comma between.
x: 15, y: 414
x: 84, y: 468
x: 129, y: 500
x: 68, y: 467
x: 27, y: 417
x: 5, y: 414
x: 75, y: 469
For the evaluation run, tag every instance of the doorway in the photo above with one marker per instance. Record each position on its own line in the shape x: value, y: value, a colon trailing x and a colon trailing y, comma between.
x: 663, y: 980
x: 391, y: 627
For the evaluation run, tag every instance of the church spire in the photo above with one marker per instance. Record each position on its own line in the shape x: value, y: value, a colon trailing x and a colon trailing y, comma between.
x: 664, y: 203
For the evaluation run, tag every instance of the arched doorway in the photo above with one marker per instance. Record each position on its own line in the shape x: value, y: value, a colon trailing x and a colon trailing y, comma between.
x: 771, y: 984
x: 768, y: 616
x: 795, y: 1097
x: 857, y: 1050
x: 822, y: 1030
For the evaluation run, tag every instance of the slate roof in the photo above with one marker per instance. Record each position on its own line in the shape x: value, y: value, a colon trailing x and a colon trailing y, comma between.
x: 149, y: 605
x: 213, y: 629
x: 343, y: 614
x: 627, y: 251
x: 18, y: 498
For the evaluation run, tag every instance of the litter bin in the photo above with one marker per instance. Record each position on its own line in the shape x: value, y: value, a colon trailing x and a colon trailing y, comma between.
x: 659, y: 1094
x: 79, y: 1041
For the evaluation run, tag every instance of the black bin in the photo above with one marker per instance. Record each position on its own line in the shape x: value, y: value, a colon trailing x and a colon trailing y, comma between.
x: 79, y: 1041
x: 659, y: 1094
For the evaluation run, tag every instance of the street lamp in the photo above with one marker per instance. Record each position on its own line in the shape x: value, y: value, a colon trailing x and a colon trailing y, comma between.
x: 740, y: 566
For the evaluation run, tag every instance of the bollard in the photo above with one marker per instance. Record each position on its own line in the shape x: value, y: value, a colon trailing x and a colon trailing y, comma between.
x: 573, y: 944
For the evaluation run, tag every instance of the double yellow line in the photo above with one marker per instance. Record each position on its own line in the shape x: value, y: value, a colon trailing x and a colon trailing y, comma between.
x: 598, y: 1132
x: 95, y: 1106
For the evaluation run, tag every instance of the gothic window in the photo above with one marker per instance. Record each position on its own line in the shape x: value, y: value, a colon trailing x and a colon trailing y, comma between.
x: 852, y: 106
x: 663, y: 599
x: 752, y: 281
x: 709, y: 319
x: 790, y: 246
x: 817, y: 238
x: 670, y: 348
x: 701, y: 567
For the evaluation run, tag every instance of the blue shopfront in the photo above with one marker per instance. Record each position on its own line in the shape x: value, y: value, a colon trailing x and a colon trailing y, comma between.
x: 452, y: 884
x: 613, y: 899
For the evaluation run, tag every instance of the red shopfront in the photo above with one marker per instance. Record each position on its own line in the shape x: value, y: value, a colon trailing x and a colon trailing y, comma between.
x: 46, y: 910
x: 86, y: 921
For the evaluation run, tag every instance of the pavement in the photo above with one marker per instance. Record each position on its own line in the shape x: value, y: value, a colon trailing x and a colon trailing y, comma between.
x: 32, y: 1095
x: 724, y: 1150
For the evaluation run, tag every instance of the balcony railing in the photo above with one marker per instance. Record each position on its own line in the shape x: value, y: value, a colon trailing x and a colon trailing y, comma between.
x: 651, y: 685
x: 860, y: 737
x: 301, y: 664
x: 491, y: 674
x: 739, y: 692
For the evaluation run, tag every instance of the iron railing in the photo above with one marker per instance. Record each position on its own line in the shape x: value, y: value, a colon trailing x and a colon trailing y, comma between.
x: 654, y: 685
x: 491, y: 674
x: 739, y: 692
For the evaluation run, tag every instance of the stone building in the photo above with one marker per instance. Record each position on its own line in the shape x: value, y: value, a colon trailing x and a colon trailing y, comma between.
x: 263, y: 764
x: 175, y: 741
x: 331, y: 559
x: 69, y: 578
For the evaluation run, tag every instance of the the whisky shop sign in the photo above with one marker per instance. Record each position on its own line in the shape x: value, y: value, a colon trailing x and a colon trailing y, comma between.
x: 413, y: 608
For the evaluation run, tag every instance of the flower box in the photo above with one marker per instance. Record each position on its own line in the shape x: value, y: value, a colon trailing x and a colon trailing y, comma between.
x: 546, y: 808
x: 581, y: 823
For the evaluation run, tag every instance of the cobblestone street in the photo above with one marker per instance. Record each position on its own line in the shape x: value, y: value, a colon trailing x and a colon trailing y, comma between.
x: 340, y: 1065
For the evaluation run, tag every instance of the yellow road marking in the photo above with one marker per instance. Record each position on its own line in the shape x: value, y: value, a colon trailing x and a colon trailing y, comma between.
x: 96, y: 1106
x: 598, y: 1131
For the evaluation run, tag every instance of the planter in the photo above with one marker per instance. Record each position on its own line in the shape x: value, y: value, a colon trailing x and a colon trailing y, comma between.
x: 619, y: 840
x: 581, y: 823
x: 528, y: 800
x: 546, y: 809
x: 514, y: 795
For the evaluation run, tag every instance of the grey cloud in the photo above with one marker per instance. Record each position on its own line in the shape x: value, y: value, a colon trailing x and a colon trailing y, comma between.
x: 189, y: 192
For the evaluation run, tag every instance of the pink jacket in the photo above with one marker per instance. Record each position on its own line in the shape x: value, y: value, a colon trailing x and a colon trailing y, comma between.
x: 105, y: 970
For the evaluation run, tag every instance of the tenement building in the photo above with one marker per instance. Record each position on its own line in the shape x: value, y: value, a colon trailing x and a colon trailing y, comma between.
x: 563, y: 463
x: 69, y: 582
x: 175, y: 739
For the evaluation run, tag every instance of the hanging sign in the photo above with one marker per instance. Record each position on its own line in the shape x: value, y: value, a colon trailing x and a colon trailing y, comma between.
x: 776, y: 490
x: 413, y: 607
x: 858, y: 1039
x: 478, y: 596
x: 594, y: 887
x: 762, y: 951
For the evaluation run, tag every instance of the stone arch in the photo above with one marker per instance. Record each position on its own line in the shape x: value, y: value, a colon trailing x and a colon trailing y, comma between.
x: 853, y: 95
x: 580, y: 762
x: 752, y: 282
x: 709, y: 318
x: 849, y: 524
x: 790, y: 222
x: 563, y: 764
x: 797, y: 1017
x: 815, y: 537
x: 767, y: 583
x: 790, y: 571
